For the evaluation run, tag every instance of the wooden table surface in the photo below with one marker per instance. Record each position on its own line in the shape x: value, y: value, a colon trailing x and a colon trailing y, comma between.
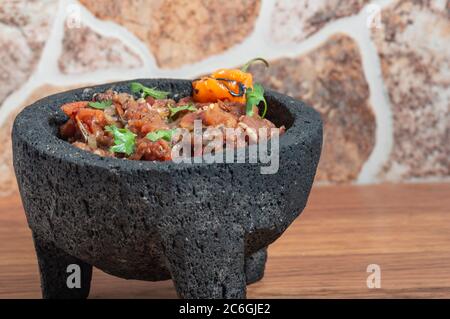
x: 405, y: 229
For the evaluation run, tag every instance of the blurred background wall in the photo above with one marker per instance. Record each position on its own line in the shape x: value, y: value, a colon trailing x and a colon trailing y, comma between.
x: 378, y: 71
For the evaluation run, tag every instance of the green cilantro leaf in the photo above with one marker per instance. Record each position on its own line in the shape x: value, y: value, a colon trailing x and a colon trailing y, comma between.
x: 145, y: 91
x: 160, y: 134
x: 101, y: 105
x: 124, y: 140
x: 254, y: 97
x: 175, y: 110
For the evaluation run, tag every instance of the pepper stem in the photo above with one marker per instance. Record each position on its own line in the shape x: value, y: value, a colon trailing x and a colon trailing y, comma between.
x: 247, y: 65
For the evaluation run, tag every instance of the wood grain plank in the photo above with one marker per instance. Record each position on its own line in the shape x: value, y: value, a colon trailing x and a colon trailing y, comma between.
x: 403, y: 228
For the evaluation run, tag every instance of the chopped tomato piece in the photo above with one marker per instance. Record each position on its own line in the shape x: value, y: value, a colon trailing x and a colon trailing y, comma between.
x: 152, y: 151
x: 214, y: 116
x: 71, y: 109
x: 68, y: 129
x: 187, y: 121
x: 94, y: 119
x: 150, y: 121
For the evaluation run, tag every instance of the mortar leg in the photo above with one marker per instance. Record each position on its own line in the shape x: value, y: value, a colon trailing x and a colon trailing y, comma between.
x: 207, y: 262
x: 255, y: 265
x: 56, y: 272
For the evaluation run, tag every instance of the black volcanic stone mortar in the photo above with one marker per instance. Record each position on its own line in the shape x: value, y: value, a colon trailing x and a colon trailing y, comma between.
x: 205, y: 226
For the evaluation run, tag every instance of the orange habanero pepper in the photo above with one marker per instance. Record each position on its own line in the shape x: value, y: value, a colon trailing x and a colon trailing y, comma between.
x: 224, y: 85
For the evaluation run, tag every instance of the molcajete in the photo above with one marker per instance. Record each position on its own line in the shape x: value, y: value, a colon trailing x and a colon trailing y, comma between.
x: 205, y: 226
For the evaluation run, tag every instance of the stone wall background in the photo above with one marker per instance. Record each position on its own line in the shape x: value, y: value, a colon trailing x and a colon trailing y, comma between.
x: 378, y: 71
